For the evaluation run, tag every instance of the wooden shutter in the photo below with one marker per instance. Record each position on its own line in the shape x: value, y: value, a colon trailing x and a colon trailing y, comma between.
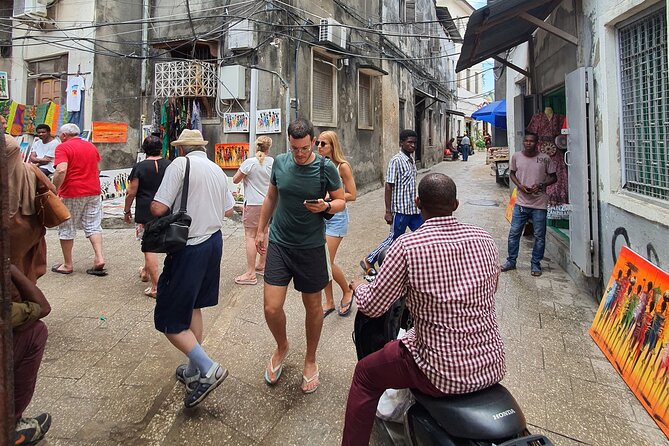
x: 364, y: 101
x: 410, y: 11
x: 322, y: 92
x: 48, y: 90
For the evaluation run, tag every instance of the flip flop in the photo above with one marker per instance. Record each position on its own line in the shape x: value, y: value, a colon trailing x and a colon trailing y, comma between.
x: 240, y: 281
x: 346, y: 308
x: 308, y: 381
x: 96, y: 272
x: 55, y: 269
x: 260, y: 272
x: 276, y: 371
x: 327, y: 312
x: 149, y: 293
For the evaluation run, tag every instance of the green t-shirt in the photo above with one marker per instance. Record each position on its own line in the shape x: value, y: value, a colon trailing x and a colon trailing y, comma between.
x: 293, y: 226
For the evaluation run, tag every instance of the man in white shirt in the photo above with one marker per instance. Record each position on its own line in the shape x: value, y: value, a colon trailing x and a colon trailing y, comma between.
x: 43, y: 150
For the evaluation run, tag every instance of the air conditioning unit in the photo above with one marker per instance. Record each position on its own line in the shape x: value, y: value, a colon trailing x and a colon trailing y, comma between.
x: 30, y: 9
x: 332, y: 32
x: 242, y: 36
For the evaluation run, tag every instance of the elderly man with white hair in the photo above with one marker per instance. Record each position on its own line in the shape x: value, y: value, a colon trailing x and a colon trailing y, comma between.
x: 77, y: 178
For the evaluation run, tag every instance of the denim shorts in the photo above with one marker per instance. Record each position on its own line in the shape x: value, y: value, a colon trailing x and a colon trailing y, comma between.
x: 337, y: 226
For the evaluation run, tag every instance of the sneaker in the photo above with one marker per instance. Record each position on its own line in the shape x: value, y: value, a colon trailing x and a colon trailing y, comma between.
x: 30, y: 431
x: 188, y: 381
x: 508, y: 266
x: 205, y: 384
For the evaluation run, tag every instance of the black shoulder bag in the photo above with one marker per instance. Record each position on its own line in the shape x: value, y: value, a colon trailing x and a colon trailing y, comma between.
x: 324, y: 214
x: 170, y: 232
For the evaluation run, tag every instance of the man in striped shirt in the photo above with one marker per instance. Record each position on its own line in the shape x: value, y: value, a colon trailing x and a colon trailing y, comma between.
x: 448, y: 272
x: 400, y: 196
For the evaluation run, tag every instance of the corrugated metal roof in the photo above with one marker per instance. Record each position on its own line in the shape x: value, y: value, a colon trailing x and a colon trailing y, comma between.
x: 497, y: 27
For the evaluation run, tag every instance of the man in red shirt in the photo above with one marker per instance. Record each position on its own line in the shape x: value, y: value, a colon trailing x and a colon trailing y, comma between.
x: 78, y: 182
x: 454, y: 346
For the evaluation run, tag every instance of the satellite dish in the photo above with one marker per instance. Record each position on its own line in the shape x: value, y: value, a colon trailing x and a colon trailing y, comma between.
x: 561, y: 142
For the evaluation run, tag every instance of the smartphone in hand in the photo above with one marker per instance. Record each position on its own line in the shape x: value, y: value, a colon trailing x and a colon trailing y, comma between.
x: 314, y: 201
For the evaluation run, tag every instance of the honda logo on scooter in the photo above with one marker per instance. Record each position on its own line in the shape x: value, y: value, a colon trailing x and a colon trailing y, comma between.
x: 506, y: 413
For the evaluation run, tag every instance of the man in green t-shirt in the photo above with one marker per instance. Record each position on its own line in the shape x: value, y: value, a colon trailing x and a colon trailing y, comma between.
x: 296, y: 201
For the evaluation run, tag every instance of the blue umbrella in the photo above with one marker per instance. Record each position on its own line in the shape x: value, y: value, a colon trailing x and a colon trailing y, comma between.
x: 494, y: 113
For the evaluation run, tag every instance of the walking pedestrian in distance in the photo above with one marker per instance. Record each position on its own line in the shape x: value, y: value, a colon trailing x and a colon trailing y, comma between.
x: 255, y: 173
x: 145, y: 178
x: 337, y: 227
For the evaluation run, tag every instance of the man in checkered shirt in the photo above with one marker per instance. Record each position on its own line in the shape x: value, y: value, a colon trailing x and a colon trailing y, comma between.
x: 448, y: 272
x: 400, y: 196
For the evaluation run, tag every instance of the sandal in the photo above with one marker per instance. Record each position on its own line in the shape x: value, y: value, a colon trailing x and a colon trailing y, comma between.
x: 345, y: 310
x: 306, y: 381
x: 327, y: 312
x: 148, y: 292
x: 276, y: 371
x: 239, y: 280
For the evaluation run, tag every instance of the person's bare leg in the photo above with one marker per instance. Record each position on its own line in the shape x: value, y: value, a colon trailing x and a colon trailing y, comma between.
x: 313, y: 323
x: 338, y: 276
x: 333, y: 245
x: 151, y: 267
x: 66, y: 247
x: 251, y: 252
x: 96, y: 242
x: 274, y: 299
x: 196, y: 325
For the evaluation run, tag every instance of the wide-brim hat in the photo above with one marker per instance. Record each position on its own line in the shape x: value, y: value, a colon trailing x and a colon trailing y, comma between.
x: 190, y: 138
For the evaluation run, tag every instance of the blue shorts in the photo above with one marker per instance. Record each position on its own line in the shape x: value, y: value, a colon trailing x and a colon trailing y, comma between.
x: 337, y: 226
x: 190, y: 280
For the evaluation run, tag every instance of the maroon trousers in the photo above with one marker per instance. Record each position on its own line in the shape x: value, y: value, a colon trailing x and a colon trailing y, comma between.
x: 392, y: 367
x: 28, y: 350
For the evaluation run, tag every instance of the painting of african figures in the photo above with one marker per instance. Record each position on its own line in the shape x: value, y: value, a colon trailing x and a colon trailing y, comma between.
x: 631, y: 327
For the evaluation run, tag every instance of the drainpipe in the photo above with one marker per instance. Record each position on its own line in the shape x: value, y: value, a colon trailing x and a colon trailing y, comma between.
x: 254, y: 107
x: 297, y: 51
x: 145, y: 45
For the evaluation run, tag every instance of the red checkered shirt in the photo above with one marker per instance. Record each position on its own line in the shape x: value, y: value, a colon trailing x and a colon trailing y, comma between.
x: 448, y: 271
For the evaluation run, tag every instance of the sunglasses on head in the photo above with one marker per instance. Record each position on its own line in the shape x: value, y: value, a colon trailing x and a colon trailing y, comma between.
x: 321, y: 143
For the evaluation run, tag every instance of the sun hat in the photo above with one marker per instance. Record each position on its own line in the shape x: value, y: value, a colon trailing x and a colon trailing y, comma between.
x: 190, y: 138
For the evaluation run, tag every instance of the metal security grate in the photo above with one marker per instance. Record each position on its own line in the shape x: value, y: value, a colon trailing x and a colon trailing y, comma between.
x: 645, y: 105
x: 185, y: 78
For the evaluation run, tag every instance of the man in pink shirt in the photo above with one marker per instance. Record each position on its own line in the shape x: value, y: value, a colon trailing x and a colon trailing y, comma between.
x: 531, y: 171
x: 77, y: 178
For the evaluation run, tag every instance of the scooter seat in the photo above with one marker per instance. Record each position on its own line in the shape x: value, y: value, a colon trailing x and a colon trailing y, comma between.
x: 488, y: 414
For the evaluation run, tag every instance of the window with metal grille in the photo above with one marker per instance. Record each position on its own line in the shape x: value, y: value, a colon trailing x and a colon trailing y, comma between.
x: 645, y: 105
x: 365, y: 111
x: 323, y: 82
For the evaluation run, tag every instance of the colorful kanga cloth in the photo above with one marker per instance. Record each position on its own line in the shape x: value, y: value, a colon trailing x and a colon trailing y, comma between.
x: 42, y: 110
x: 10, y: 116
x: 52, y: 118
x: 29, y: 118
x: 62, y: 117
x: 17, y: 122
x: 4, y: 107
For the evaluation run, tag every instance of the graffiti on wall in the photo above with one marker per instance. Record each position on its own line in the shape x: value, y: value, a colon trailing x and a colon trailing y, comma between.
x: 650, y: 254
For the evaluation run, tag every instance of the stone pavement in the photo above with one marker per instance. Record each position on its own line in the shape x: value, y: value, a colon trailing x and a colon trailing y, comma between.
x: 108, y: 376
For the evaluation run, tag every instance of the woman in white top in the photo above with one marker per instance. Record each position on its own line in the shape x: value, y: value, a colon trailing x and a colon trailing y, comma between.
x: 255, y: 173
x: 337, y: 227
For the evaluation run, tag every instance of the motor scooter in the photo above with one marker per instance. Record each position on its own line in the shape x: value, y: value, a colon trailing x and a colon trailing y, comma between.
x: 488, y: 417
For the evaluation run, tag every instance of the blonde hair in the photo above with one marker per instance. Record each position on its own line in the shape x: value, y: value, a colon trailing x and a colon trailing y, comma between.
x: 263, y: 144
x: 337, y: 152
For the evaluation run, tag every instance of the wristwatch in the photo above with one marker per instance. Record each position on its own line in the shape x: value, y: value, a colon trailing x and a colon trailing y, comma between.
x: 127, y: 212
x: 329, y: 206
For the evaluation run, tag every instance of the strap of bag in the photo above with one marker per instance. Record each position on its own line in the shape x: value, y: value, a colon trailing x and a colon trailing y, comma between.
x: 322, y: 176
x: 184, y: 189
x: 39, y: 176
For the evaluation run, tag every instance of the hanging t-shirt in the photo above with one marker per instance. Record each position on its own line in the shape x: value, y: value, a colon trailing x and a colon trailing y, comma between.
x: 75, y: 85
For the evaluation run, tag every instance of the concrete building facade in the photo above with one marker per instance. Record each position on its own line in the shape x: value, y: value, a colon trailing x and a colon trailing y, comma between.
x: 364, y: 69
x: 606, y: 68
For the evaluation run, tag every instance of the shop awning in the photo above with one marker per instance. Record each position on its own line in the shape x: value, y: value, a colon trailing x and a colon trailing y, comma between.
x: 494, y: 113
x: 500, y: 26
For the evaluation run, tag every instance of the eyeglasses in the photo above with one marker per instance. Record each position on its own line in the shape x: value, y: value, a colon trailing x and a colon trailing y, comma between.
x: 301, y: 149
x: 321, y: 143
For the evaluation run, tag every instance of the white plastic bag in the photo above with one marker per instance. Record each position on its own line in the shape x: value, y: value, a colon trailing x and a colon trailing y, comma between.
x: 393, y: 404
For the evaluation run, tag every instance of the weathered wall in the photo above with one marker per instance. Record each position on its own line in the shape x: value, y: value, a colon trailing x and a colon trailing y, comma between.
x: 625, y: 218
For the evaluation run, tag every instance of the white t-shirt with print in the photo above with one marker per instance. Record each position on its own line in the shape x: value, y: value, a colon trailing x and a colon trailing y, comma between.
x: 74, y: 86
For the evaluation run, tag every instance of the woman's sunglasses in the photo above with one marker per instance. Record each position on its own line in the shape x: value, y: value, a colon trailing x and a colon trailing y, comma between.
x: 321, y: 143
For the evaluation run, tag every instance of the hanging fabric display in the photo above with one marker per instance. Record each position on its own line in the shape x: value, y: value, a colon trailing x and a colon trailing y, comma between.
x: 42, y: 110
x: 29, y: 118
